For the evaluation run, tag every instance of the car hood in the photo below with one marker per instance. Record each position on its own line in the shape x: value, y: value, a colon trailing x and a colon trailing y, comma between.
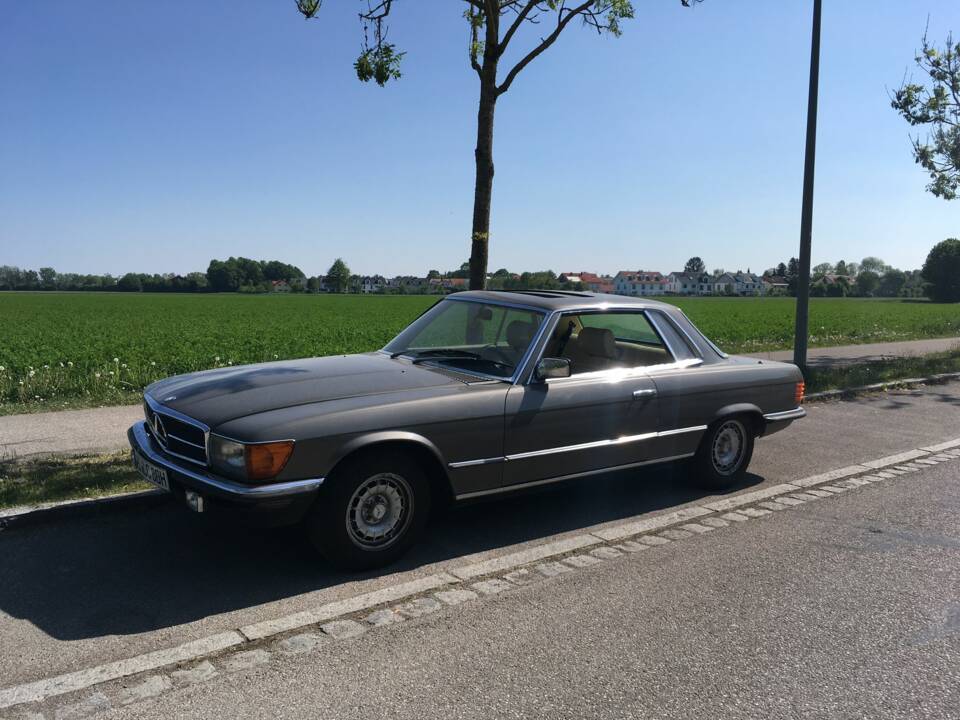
x: 216, y: 396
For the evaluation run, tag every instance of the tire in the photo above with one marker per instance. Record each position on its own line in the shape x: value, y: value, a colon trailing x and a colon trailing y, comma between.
x: 370, y: 511
x: 724, y: 454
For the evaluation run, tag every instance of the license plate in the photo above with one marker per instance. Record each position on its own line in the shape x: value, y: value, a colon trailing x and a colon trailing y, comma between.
x: 150, y: 472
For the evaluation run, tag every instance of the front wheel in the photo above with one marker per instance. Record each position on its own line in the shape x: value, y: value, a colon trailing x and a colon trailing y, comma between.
x: 724, y: 454
x: 371, y: 512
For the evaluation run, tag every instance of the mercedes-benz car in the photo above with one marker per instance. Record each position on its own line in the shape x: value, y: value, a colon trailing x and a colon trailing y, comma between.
x: 484, y: 393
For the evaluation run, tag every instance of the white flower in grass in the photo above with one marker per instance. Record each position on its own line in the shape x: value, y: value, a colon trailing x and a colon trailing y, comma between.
x: 275, y: 356
x: 61, y: 364
x: 21, y: 382
x: 123, y: 365
x: 111, y: 372
x: 216, y: 359
x: 2, y: 368
x: 229, y: 362
x: 116, y: 360
x: 46, y: 367
x: 96, y: 374
x: 32, y: 373
x: 153, y: 363
x: 69, y: 363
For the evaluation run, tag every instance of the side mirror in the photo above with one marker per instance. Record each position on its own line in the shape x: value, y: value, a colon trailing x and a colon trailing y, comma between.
x: 551, y: 368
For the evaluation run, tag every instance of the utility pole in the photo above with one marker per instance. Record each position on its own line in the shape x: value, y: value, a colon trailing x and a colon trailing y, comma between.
x: 806, y: 215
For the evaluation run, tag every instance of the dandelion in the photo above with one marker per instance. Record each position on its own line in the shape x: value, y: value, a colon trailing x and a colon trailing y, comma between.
x: 32, y: 373
x: 95, y: 375
x: 46, y: 367
x: 229, y: 362
x: 123, y: 365
x: 111, y: 372
x: 61, y: 364
x: 153, y: 363
x: 69, y: 363
x: 116, y: 360
x: 2, y: 368
x: 275, y: 356
x: 216, y: 358
x: 21, y: 382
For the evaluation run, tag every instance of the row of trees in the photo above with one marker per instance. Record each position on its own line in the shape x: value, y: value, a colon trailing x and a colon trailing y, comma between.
x: 871, y: 277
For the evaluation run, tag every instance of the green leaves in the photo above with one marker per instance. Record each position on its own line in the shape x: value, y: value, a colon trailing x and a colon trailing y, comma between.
x: 380, y: 63
x: 936, y: 105
x: 309, y: 8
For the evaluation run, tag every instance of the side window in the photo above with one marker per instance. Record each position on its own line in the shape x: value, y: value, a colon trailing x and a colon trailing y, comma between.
x: 594, y: 342
x: 678, y: 344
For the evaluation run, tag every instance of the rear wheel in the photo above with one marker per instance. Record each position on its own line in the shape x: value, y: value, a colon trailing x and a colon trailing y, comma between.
x: 724, y: 454
x: 371, y: 511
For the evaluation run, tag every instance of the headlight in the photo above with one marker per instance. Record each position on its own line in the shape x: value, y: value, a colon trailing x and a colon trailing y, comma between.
x: 249, y: 461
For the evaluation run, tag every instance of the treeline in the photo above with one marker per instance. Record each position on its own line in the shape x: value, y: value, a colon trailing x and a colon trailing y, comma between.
x: 871, y: 277
x: 232, y: 275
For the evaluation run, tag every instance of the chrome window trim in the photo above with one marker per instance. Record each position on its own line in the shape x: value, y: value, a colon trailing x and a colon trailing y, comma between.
x: 560, y: 478
x: 655, y: 317
x: 794, y: 414
x: 625, y: 374
x: 609, y: 442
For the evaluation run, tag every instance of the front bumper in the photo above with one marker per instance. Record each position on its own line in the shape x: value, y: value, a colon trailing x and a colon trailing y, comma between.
x: 196, y: 478
x: 777, y: 421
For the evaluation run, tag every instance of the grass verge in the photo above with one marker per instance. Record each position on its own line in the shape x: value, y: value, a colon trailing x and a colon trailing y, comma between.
x: 853, y: 376
x: 51, y: 479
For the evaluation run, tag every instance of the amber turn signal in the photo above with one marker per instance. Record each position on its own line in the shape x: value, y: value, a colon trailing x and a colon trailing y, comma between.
x: 266, y: 460
x: 798, y: 392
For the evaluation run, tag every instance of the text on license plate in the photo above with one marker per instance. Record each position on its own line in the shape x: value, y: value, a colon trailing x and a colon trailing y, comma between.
x: 150, y: 472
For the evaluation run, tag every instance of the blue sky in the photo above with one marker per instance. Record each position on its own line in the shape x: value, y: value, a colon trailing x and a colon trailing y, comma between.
x: 153, y: 136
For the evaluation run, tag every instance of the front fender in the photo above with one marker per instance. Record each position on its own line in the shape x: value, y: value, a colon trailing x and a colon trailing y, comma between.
x: 387, y: 436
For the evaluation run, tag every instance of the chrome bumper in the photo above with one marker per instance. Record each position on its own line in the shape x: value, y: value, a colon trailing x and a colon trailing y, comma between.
x: 195, y: 478
x: 786, y: 415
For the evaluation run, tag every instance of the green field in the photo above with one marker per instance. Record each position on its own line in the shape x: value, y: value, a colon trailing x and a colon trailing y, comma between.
x: 77, y: 349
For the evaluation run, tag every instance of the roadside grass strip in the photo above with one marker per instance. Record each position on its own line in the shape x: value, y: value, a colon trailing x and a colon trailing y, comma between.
x: 123, y: 682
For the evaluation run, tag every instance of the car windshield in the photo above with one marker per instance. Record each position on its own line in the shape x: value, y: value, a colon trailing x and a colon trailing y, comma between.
x: 470, y: 336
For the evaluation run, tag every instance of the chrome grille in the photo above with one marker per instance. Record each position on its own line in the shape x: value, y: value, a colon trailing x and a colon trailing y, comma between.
x: 177, y: 434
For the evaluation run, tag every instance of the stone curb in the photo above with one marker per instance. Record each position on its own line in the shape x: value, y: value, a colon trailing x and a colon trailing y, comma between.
x: 888, y: 385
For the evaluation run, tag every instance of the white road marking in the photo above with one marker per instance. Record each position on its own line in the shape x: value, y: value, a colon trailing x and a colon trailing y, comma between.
x: 635, y: 527
x: 260, y: 630
x: 751, y: 497
x: 70, y: 682
x: 524, y: 557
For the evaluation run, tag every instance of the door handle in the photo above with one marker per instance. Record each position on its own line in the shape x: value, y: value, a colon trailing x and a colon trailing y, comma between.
x: 645, y: 393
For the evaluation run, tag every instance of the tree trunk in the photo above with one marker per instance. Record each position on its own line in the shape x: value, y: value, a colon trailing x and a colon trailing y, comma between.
x: 483, y: 186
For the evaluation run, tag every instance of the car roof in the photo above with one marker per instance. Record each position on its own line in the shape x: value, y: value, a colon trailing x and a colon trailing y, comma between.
x: 551, y: 300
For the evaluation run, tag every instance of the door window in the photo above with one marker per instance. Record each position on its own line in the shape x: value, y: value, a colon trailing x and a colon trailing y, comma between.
x: 594, y: 342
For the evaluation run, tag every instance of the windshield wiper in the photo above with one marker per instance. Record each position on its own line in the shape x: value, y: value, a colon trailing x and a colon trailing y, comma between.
x: 445, y: 354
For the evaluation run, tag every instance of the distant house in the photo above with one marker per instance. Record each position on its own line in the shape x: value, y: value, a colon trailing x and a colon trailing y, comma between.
x: 776, y: 283
x: 589, y: 281
x: 372, y: 284
x: 739, y: 283
x: 688, y: 283
x: 279, y: 286
x: 453, y: 284
x: 638, y: 283
x: 407, y: 283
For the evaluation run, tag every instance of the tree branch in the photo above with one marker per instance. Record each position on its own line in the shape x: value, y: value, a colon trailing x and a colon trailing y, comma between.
x: 562, y: 22
x: 517, y: 22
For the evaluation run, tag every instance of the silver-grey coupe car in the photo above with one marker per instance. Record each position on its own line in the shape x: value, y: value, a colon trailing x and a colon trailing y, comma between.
x: 484, y: 393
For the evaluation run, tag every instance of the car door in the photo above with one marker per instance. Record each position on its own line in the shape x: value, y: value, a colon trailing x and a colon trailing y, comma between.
x: 604, y: 415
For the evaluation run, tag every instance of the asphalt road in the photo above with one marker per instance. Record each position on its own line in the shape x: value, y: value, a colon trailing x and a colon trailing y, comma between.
x: 92, y: 590
x: 842, y: 608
